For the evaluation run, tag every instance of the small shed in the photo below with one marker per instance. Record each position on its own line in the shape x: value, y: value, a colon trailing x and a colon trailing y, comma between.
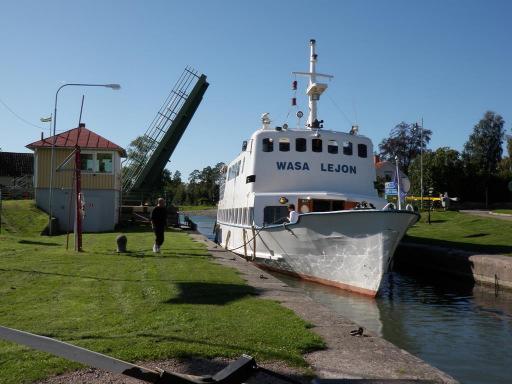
x: 14, y: 166
x: 100, y: 178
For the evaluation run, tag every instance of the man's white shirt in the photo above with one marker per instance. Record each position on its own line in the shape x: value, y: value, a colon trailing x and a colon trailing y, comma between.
x: 293, y: 217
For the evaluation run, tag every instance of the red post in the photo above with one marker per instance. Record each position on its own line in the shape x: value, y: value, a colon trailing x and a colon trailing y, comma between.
x: 78, y: 203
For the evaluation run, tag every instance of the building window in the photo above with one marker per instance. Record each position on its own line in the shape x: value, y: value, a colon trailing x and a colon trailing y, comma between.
x: 332, y: 146
x: 87, y: 162
x: 268, y: 144
x: 284, y: 145
x: 362, y: 150
x: 104, y: 162
x: 347, y: 148
x: 300, y: 144
x: 316, y: 145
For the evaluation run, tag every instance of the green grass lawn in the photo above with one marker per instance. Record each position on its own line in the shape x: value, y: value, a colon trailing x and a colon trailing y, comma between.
x: 196, y: 207
x: 464, y: 231
x: 507, y: 211
x: 134, y: 306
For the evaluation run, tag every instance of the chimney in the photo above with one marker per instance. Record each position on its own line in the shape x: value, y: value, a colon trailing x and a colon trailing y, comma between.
x: 81, y: 125
x: 376, y: 159
x: 42, y: 136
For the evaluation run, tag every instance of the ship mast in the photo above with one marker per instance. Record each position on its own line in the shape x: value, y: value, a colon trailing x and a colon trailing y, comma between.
x: 314, y: 89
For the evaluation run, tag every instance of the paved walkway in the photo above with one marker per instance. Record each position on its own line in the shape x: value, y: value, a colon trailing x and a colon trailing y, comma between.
x: 483, y: 213
x: 346, y: 356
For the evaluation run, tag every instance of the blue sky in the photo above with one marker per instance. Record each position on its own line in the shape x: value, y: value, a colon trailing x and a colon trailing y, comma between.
x: 446, y: 61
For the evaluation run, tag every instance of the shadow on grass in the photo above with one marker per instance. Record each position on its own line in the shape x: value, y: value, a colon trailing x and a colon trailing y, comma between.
x: 211, y: 293
x: 472, y: 248
x: 30, y: 242
x: 476, y: 235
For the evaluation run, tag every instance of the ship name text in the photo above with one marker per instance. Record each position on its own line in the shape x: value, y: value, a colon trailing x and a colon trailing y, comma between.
x: 324, y: 167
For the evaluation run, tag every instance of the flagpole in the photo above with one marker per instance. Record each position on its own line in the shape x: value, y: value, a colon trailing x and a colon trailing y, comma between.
x: 398, y: 184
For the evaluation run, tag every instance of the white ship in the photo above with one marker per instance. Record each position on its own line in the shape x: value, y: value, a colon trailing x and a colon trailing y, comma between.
x: 345, y: 235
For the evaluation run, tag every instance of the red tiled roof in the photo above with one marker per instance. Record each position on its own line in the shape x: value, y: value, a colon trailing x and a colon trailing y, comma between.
x: 80, y: 136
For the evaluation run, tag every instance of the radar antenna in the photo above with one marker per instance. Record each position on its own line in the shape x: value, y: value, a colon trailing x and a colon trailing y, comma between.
x: 314, y: 89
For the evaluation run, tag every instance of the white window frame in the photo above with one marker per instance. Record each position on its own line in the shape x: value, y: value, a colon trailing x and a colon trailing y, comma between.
x: 96, y: 164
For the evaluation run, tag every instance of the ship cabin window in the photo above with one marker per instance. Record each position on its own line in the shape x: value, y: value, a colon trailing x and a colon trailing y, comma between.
x: 251, y: 215
x: 362, y: 150
x: 332, y: 147
x: 234, y: 170
x: 347, y: 148
x: 268, y: 144
x: 275, y: 214
x: 316, y: 145
x: 284, y: 145
x: 320, y: 205
x: 300, y: 144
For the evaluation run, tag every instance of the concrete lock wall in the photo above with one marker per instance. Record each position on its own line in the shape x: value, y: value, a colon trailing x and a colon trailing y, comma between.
x: 100, y: 208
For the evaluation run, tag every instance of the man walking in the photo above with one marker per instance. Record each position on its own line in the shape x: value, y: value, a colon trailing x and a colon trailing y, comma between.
x: 158, y: 223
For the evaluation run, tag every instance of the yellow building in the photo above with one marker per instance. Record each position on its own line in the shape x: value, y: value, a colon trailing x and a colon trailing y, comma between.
x: 100, y: 178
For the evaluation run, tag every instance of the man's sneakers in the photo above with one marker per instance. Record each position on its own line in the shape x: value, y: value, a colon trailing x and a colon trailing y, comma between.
x: 156, y: 248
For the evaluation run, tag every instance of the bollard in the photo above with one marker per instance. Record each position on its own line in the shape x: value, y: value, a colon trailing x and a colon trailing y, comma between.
x: 121, y: 241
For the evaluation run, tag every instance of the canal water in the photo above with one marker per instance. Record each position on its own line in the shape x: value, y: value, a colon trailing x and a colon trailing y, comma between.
x: 460, y: 328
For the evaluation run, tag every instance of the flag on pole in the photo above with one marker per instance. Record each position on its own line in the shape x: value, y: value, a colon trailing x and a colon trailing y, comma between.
x: 45, y: 119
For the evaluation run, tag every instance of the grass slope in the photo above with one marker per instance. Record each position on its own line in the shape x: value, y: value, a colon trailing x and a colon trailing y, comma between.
x: 464, y: 231
x: 135, y: 306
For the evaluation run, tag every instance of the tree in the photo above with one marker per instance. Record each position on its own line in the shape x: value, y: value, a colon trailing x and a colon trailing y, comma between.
x: 405, y: 141
x: 136, y: 157
x: 442, y: 170
x: 483, y: 150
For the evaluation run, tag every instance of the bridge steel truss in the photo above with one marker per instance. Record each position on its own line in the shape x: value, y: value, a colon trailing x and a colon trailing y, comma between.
x: 144, y: 171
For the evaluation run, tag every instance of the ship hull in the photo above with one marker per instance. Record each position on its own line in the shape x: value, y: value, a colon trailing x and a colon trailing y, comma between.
x: 351, y: 250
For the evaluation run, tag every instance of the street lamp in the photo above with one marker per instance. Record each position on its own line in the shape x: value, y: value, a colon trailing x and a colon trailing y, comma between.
x: 52, y: 160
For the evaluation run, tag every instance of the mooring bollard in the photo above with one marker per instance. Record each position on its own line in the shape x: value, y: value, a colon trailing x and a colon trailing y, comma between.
x: 121, y: 241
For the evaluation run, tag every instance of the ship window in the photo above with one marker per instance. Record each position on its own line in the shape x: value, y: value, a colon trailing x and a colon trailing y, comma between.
x: 362, y: 150
x: 321, y: 205
x: 244, y: 216
x: 275, y: 214
x: 284, y: 145
x: 268, y: 144
x: 316, y: 145
x: 338, y: 205
x: 300, y: 144
x: 251, y: 215
x: 347, y: 148
x: 332, y: 146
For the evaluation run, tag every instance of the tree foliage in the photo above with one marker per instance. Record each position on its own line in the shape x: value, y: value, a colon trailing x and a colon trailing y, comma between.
x: 405, y: 141
x: 442, y: 171
x: 483, y: 150
x: 202, y: 186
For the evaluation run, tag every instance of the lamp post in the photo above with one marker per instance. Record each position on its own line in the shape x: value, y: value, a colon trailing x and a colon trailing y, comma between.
x: 52, y: 159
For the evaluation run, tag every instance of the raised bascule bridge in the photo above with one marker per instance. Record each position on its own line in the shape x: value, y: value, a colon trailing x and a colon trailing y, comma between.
x: 142, y: 172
